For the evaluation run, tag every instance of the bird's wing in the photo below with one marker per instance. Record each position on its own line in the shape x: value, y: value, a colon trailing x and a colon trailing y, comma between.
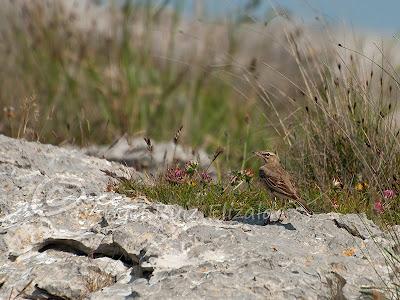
x: 278, y: 183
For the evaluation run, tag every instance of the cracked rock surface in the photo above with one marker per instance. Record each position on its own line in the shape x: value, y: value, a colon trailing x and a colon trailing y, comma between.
x: 63, y: 236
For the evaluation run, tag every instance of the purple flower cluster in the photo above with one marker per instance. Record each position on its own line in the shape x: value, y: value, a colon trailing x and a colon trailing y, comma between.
x: 379, y: 205
x: 175, y: 175
x: 389, y: 194
x: 205, y: 177
x: 190, y: 173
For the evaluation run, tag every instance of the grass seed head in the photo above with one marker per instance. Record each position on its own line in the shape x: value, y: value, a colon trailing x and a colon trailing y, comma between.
x: 177, y: 135
x: 149, y: 144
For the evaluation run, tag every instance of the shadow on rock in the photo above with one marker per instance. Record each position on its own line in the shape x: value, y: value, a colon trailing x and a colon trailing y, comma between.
x: 262, y: 219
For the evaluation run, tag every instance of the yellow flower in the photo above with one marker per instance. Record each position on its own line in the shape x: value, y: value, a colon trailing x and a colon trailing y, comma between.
x: 361, y: 186
x: 192, y: 182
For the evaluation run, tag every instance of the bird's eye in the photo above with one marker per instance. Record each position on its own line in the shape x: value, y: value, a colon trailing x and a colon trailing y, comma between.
x: 267, y: 154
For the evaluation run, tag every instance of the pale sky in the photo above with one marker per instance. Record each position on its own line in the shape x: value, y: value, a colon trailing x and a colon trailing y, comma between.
x: 375, y: 15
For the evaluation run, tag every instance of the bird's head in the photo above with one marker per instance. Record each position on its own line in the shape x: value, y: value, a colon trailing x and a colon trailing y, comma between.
x: 267, y: 156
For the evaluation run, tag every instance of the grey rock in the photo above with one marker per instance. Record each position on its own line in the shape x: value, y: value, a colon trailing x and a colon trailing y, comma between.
x: 63, y: 234
x: 357, y: 225
x: 116, y: 291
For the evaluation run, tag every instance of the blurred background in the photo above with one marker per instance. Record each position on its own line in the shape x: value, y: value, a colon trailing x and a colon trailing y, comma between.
x: 315, y: 81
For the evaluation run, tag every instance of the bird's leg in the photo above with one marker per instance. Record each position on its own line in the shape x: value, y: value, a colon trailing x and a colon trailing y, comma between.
x: 282, y: 212
x: 280, y: 219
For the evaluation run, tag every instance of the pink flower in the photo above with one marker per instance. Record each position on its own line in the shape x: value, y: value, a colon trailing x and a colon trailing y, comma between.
x: 388, y: 194
x: 205, y: 177
x: 175, y: 175
x: 378, y: 206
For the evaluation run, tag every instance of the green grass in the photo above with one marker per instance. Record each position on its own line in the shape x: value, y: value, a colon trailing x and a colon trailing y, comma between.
x: 241, y: 194
x: 212, y: 199
x: 224, y: 200
x: 353, y: 201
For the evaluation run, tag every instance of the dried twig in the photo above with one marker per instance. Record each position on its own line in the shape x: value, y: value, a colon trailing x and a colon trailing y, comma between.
x: 23, y: 290
x: 150, y: 147
x: 176, y: 141
x: 217, y: 153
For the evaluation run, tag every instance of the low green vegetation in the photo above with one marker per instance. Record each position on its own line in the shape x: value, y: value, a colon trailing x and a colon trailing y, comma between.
x: 240, y: 194
x: 213, y: 199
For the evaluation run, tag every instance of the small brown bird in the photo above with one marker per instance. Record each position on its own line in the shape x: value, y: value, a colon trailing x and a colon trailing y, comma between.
x: 277, y: 179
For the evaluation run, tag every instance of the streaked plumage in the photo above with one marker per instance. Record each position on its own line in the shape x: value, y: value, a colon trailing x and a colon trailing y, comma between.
x: 277, y: 180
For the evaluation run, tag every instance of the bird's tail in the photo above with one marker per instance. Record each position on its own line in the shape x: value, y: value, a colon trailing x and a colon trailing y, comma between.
x: 304, y: 205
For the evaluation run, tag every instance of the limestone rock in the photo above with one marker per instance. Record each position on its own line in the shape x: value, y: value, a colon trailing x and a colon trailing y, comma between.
x: 65, y: 235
